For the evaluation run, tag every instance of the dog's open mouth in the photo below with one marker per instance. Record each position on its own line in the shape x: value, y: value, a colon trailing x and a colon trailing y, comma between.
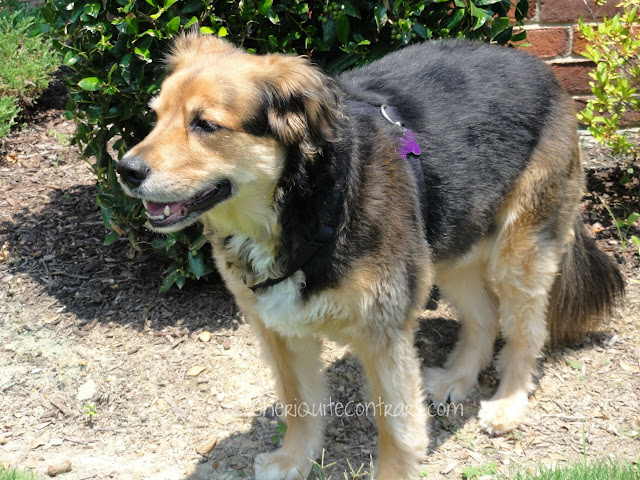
x: 163, y: 215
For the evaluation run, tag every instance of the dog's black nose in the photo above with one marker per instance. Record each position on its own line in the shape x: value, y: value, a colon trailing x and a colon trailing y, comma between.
x: 133, y: 170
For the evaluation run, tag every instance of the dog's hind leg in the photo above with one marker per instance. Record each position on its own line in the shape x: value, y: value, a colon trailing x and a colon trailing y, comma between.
x: 393, y: 370
x: 297, y: 366
x: 466, y: 286
x: 525, y: 266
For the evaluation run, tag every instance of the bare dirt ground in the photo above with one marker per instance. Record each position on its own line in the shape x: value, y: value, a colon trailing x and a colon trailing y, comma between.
x: 98, y: 369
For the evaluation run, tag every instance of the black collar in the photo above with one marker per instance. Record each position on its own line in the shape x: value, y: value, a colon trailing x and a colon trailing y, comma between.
x: 325, y: 231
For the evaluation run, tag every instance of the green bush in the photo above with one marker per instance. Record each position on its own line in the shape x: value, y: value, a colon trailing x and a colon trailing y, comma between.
x: 27, y: 60
x: 8, y: 112
x: 115, y: 47
x: 614, y: 46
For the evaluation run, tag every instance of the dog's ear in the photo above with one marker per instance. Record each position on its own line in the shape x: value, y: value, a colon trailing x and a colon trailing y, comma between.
x: 189, y: 48
x: 303, y: 103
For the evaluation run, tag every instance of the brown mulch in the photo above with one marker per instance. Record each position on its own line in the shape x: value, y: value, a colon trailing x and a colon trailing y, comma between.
x: 98, y: 369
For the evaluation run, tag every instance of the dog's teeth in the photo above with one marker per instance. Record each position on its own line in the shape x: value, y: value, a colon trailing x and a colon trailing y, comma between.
x: 166, y: 212
x: 145, y: 203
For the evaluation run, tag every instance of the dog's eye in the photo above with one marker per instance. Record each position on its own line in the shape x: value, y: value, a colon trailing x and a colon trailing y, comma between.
x: 204, y: 126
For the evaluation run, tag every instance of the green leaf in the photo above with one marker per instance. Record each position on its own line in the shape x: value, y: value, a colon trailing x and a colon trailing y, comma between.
x: 342, y: 28
x: 329, y: 31
x: 207, y: 31
x: 341, y: 63
x: 173, y: 25
x: 522, y: 8
x: 168, y: 281
x: 499, y: 25
x: 91, y: 84
x: 111, y: 238
x: 197, y: 264
x: 192, y: 21
x: 222, y: 32
x: 70, y: 58
x: 92, y: 9
x: 380, y: 14
x: 479, y: 14
x: 632, y: 218
x: 455, y: 19
x: 350, y: 9
x: 264, y: 6
x: 422, y: 31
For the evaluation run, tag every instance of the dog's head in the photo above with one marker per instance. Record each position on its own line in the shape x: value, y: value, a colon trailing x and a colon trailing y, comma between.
x: 225, y: 122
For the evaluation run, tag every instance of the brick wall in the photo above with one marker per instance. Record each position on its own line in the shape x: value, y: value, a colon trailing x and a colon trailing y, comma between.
x: 552, y: 31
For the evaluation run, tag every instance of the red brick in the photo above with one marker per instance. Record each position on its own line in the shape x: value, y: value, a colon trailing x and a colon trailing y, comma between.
x: 630, y: 118
x: 556, y: 11
x: 579, y: 42
x: 574, y: 76
x: 547, y: 42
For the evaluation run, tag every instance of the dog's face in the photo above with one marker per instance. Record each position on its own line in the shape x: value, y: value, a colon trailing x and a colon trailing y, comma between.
x: 225, y: 123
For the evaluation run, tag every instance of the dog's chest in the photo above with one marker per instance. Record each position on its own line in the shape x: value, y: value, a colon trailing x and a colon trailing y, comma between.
x: 243, y: 262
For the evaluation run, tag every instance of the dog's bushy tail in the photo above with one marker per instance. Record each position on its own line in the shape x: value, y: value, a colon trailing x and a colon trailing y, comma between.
x: 586, y: 290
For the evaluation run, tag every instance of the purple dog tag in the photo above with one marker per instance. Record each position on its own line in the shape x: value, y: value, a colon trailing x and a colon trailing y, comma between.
x: 408, y: 145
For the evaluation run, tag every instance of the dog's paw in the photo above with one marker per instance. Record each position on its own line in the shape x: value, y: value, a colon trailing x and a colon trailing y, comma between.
x: 504, y: 414
x: 444, y: 386
x: 280, y: 465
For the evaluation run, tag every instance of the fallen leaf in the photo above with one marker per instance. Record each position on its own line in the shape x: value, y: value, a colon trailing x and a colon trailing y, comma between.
x: 519, y: 449
x: 207, y: 447
x: 11, y: 158
x: 205, y: 337
x: 38, y: 442
x: 195, y: 371
x: 629, y: 367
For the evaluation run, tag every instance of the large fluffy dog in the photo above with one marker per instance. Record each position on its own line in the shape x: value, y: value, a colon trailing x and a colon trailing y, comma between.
x: 319, y: 227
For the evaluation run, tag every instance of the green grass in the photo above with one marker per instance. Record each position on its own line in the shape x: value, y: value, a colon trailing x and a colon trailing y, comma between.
x: 578, y: 470
x: 28, y: 59
x: 600, y: 470
x: 13, y: 474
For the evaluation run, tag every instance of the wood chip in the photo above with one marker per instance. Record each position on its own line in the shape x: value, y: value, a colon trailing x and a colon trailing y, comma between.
x: 195, y: 371
x: 57, y: 469
x: 207, y: 447
x: 449, y: 468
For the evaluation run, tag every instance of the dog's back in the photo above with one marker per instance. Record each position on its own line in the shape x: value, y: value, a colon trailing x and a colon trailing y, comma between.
x: 478, y: 112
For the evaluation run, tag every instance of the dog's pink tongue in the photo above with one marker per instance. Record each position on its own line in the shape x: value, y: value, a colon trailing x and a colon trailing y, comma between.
x: 159, y: 208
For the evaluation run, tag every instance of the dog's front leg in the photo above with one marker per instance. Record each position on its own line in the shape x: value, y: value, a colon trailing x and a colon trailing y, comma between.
x: 393, y: 370
x: 297, y: 366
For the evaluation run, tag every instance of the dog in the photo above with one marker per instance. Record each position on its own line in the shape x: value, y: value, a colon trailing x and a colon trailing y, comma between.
x: 334, y: 204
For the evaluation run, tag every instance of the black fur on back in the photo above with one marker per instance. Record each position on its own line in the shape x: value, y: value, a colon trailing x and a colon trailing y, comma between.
x: 477, y: 112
